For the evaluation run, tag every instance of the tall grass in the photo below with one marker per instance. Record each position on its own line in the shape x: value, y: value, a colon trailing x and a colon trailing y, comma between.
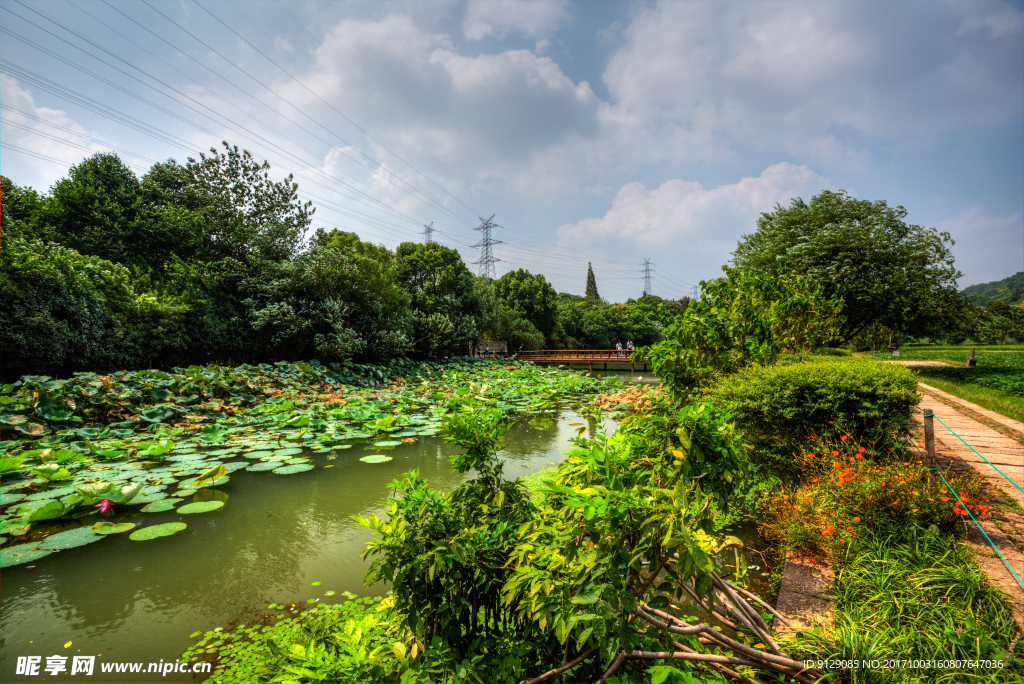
x: 912, y: 595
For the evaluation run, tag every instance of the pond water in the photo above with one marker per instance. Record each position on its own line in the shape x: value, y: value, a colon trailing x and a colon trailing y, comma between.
x: 128, y: 601
x: 139, y: 601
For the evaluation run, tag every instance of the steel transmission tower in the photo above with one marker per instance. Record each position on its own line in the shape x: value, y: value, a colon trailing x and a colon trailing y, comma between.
x: 428, y: 233
x: 487, y: 258
x: 647, y: 276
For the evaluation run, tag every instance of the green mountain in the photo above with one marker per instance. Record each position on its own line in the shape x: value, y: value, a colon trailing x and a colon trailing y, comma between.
x: 1005, y: 290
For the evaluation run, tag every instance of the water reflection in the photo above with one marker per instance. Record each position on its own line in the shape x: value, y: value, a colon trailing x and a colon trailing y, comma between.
x: 139, y: 601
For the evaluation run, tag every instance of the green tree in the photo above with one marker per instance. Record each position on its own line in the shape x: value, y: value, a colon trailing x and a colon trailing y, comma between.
x: 532, y: 297
x: 592, y: 294
x: 447, y: 311
x: 885, y: 271
x: 332, y: 301
x: 742, y: 319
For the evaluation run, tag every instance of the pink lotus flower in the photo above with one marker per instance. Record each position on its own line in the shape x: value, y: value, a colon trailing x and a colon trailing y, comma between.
x: 104, y: 505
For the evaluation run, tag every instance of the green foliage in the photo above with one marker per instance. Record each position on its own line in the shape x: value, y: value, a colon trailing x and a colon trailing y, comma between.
x: 914, y: 595
x: 592, y: 295
x: 587, y: 324
x: 446, y: 308
x: 532, y: 298
x: 740, y: 320
x: 779, y: 408
x: 881, y: 269
x: 351, y: 642
x: 999, y: 370
x: 1007, y: 290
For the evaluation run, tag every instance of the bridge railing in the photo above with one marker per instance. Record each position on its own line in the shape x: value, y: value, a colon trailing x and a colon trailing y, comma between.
x: 572, y: 354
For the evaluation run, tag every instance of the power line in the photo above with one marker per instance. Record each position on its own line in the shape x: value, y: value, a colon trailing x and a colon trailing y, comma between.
x: 428, y: 233
x: 647, y: 276
x: 487, y: 258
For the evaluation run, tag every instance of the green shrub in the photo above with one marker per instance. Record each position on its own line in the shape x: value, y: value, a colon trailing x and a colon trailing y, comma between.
x: 780, y: 408
x: 830, y: 351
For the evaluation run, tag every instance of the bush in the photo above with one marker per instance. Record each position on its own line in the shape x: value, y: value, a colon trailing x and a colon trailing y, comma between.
x: 780, y: 408
x: 830, y: 351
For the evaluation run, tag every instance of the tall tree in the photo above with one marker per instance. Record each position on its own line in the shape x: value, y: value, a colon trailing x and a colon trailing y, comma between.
x: 447, y: 310
x: 592, y: 294
x: 885, y: 271
x: 532, y: 297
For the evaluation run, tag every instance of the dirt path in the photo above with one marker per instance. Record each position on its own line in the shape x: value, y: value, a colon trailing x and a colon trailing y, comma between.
x: 1006, y: 529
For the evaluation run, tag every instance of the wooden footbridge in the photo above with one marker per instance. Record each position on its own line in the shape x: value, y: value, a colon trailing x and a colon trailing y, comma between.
x: 587, y: 356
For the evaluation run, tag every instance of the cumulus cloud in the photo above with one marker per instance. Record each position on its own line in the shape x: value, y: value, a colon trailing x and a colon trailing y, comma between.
x: 507, y: 120
x: 41, y: 130
x: 499, y: 18
x: 691, y: 227
x: 820, y: 81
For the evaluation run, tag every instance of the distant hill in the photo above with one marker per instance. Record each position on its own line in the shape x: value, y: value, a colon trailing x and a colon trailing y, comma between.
x: 1006, y: 290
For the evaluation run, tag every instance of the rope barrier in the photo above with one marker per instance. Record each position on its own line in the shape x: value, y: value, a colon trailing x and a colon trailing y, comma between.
x: 963, y: 506
x: 926, y: 415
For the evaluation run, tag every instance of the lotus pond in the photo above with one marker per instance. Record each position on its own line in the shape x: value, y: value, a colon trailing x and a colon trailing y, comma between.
x: 180, y: 501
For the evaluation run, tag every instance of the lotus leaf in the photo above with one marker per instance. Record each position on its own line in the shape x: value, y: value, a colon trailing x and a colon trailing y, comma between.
x: 69, y: 539
x: 9, y: 465
x: 214, y: 473
x: 338, y: 447
x: 182, y: 493
x: 258, y: 454
x: 161, y: 505
x: 235, y: 465
x: 47, y: 494
x: 22, y: 553
x: 7, y: 499
x: 258, y: 467
x: 154, y: 531
x: 148, y: 498
x: 389, y: 443
x: 112, y: 528
x: 157, y: 414
x: 200, y: 507
x: 292, y: 469
x: 291, y: 451
x: 375, y: 458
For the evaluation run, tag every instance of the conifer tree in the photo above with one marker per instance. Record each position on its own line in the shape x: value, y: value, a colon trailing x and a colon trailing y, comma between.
x: 592, y: 285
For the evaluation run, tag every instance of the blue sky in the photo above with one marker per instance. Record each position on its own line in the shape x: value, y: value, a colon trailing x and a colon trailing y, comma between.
x: 601, y: 131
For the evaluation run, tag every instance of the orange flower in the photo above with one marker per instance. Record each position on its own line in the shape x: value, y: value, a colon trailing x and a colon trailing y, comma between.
x: 853, y: 534
x: 861, y: 450
x: 835, y: 453
x: 856, y: 520
x: 943, y: 498
x: 843, y: 438
x: 956, y: 509
x: 913, y: 510
x: 810, y: 455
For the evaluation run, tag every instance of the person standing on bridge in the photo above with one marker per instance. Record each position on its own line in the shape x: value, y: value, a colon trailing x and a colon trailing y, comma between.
x: 618, y: 348
x: 629, y: 346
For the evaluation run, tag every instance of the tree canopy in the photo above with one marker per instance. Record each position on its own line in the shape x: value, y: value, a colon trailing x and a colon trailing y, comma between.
x: 885, y: 271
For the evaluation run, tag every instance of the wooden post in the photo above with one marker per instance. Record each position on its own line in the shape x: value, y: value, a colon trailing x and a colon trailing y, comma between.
x: 971, y: 361
x: 929, y: 436
x: 591, y: 364
x: 632, y: 368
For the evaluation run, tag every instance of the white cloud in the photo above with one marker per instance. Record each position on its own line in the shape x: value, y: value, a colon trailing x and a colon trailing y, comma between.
x: 820, y: 81
x: 679, y: 209
x: 499, y: 18
x: 40, y: 130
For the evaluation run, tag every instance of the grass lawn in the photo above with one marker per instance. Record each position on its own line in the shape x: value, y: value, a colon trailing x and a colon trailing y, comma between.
x: 1003, y: 403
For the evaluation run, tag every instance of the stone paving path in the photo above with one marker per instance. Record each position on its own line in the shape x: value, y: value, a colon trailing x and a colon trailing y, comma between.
x: 1006, y: 530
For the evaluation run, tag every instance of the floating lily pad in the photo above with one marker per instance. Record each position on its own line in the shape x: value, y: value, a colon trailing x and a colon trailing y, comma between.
x: 338, y: 447
x: 426, y: 433
x: 184, y: 492
x: 258, y: 454
x: 224, y: 452
x: 112, y: 528
x: 69, y: 539
x: 161, y: 506
x: 154, y: 531
x: 258, y: 467
x: 200, y: 507
x: 388, y: 443
x: 148, y: 498
x: 6, y: 499
x: 291, y: 451
x: 48, y: 494
x: 292, y: 469
x: 236, y: 465
x: 300, y: 459
x: 22, y: 553
x: 375, y: 458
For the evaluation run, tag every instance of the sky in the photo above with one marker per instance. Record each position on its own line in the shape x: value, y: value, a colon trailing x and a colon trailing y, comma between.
x: 601, y: 132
